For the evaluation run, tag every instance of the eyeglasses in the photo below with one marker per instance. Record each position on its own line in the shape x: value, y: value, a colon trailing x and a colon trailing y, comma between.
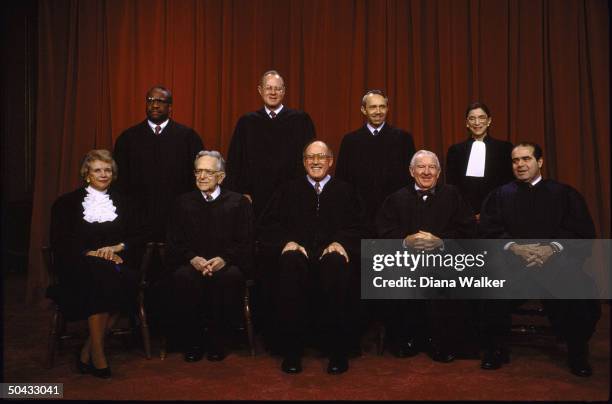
x: 315, y: 157
x: 99, y: 171
x: 474, y: 119
x: 207, y: 173
x: 269, y: 89
x: 151, y: 100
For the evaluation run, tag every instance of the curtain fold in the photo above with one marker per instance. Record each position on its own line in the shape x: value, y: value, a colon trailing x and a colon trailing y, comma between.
x: 542, y: 67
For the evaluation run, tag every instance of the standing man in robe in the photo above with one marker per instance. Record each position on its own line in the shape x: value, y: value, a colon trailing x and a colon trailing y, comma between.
x: 155, y: 160
x: 423, y: 214
x: 531, y: 208
x: 375, y: 158
x: 266, y: 147
x: 313, y: 226
x: 481, y: 163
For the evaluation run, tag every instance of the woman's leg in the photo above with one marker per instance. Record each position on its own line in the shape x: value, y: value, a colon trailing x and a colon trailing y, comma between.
x: 97, y: 330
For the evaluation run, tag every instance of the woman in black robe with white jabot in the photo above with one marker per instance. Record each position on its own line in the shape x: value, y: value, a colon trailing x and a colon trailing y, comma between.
x: 93, y: 233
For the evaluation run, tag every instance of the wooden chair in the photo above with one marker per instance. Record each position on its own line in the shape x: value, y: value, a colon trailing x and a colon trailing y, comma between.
x: 248, y: 322
x: 57, y: 329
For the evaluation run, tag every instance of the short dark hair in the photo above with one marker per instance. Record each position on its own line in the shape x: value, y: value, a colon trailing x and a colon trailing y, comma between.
x: 537, y: 150
x: 165, y: 90
x: 476, y: 105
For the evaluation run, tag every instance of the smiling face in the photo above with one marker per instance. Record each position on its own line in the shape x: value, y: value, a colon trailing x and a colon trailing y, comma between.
x: 524, y: 164
x: 158, y: 106
x: 425, y: 171
x: 272, y: 90
x: 478, y: 122
x: 375, y: 109
x: 318, y: 160
x: 99, y: 175
x: 207, y: 174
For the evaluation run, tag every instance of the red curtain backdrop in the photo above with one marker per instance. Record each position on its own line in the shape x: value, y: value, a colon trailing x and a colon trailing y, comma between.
x: 542, y: 66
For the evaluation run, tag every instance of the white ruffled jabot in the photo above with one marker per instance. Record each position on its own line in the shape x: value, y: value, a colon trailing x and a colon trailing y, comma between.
x: 98, y: 207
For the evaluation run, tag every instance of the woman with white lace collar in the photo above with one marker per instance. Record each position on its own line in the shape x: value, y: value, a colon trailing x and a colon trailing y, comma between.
x: 93, y: 230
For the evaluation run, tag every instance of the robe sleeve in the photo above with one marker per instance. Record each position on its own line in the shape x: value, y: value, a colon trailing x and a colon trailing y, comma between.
x: 178, y: 243
x: 240, y: 252
x: 272, y: 225
x: 453, y: 164
x: 463, y: 222
x: 237, y: 160
x: 350, y: 234
x: 65, y: 241
x: 121, y: 157
x: 492, y: 224
x: 388, y: 224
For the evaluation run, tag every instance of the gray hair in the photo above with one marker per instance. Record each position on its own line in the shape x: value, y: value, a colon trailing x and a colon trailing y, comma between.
x: 212, y: 153
x: 424, y: 153
x: 373, y: 92
x: 271, y: 73
x: 97, y: 155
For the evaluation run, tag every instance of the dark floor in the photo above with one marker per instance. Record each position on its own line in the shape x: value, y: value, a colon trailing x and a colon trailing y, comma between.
x: 537, y: 370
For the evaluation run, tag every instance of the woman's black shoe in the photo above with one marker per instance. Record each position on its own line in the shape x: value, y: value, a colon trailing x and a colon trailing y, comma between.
x: 82, y: 368
x: 104, y: 373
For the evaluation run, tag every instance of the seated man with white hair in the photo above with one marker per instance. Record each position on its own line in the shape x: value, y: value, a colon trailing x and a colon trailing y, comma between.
x: 210, y: 247
x: 423, y: 214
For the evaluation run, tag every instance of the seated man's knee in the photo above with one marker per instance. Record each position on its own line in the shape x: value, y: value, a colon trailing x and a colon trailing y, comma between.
x: 334, y: 260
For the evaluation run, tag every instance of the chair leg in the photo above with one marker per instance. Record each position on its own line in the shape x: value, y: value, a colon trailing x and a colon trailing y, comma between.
x: 144, y: 328
x: 380, y: 346
x: 162, y: 348
x: 53, y: 339
x: 248, y: 321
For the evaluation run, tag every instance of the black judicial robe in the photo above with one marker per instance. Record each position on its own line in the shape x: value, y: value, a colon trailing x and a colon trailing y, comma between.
x: 445, y: 214
x: 223, y: 228
x: 292, y: 215
x: 90, y: 285
x: 548, y: 210
x: 264, y: 153
x: 498, y: 169
x: 155, y: 169
x: 376, y: 166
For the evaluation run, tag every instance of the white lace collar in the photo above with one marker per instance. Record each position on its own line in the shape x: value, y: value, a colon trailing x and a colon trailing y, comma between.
x: 98, y: 207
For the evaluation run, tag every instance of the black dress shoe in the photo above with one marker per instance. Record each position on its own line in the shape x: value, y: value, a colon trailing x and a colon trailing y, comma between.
x: 405, y: 349
x: 442, y: 355
x: 104, y: 373
x: 194, y: 354
x: 337, y: 365
x: 291, y: 365
x: 216, y: 356
x: 494, y: 358
x: 580, y: 366
x: 82, y: 368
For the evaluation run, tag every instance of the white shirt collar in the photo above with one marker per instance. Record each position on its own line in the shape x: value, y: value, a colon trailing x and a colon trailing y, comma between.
x: 422, y: 189
x: 372, y: 129
x: 215, y: 194
x: 536, y: 180
x: 276, y: 111
x: 322, y: 183
x: 163, y: 125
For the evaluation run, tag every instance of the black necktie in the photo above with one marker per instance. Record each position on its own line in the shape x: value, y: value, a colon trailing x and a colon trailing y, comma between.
x: 209, y: 198
x: 375, y: 132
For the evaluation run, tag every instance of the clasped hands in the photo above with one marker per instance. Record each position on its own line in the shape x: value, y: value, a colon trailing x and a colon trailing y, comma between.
x: 108, y: 253
x: 532, y: 254
x: 207, y: 267
x: 333, y: 247
x: 423, y: 240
